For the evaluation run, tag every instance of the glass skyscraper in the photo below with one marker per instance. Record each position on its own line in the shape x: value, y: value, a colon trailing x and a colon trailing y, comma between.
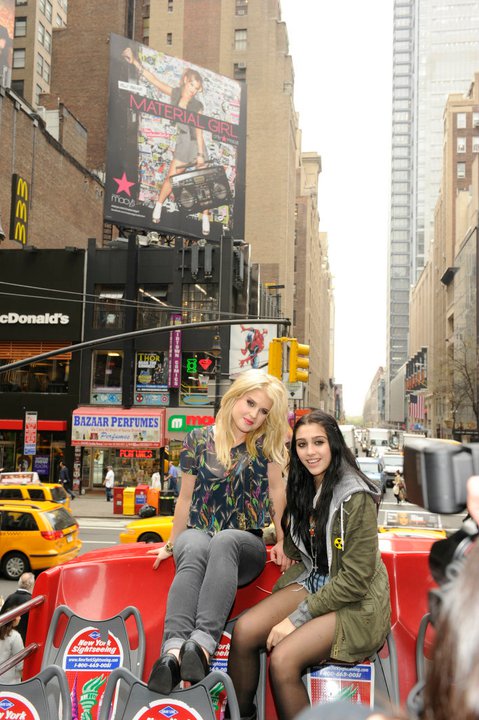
x: 435, y: 53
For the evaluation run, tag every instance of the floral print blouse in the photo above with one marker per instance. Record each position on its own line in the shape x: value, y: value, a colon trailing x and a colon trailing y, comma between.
x: 221, y: 497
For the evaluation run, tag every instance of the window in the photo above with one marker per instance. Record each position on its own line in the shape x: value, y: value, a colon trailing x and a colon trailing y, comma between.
x: 475, y: 144
x: 199, y: 301
x: 20, y: 27
x: 38, y: 91
x: 48, y: 41
x: 475, y: 119
x: 107, y: 366
x: 45, y: 376
x: 461, y: 144
x: 41, y: 5
x: 153, y: 310
x: 170, y: 5
x: 169, y: 38
x: 241, y: 7
x: 109, y: 309
x: 40, y: 64
x: 18, y: 3
x: 241, y: 39
x: 48, y: 11
x: 41, y: 34
x: 46, y: 71
x: 461, y: 121
x: 461, y: 170
x: 18, y: 87
x: 18, y: 58
x: 239, y: 72
x: 58, y: 21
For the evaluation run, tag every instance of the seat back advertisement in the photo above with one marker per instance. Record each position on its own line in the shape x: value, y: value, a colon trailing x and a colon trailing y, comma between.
x: 176, y: 145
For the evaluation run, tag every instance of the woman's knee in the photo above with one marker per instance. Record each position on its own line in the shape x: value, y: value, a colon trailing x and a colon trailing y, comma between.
x: 191, y: 545
x: 282, y: 665
x: 244, y: 636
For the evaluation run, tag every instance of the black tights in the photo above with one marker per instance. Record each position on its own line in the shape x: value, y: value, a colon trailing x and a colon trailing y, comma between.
x: 306, y: 646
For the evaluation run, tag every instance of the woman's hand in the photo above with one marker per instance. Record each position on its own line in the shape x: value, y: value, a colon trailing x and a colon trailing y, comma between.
x: 127, y: 55
x: 278, y: 632
x: 278, y: 556
x: 161, y: 554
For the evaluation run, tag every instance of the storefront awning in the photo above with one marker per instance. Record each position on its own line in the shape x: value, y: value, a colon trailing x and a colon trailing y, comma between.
x: 117, y: 427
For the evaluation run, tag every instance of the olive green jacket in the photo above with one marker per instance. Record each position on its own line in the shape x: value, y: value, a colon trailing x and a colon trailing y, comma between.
x: 358, y: 587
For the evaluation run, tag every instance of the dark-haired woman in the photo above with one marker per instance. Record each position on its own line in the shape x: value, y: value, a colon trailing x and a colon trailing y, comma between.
x: 334, y: 603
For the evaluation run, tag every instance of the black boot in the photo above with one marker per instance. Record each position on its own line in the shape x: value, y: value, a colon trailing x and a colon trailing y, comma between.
x: 165, y: 674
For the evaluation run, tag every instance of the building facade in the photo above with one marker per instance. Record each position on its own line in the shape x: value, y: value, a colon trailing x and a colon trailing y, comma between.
x: 435, y: 52
x: 444, y: 301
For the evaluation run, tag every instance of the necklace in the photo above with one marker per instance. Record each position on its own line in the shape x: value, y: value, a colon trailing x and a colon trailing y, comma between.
x: 312, y: 535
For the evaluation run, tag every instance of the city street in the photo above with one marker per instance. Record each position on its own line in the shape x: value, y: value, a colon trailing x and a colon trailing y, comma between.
x: 99, y: 533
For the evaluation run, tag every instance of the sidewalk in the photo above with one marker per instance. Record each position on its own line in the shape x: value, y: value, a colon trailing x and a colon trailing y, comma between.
x: 94, y: 505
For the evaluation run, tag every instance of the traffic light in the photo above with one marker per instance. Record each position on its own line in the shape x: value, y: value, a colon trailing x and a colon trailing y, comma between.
x: 275, y: 358
x: 298, y: 362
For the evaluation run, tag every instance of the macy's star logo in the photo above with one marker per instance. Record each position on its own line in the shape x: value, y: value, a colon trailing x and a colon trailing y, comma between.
x: 124, y: 184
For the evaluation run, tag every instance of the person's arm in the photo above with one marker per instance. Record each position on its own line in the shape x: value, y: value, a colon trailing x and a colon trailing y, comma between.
x: 201, y: 154
x: 128, y: 55
x: 277, y: 496
x: 180, y: 518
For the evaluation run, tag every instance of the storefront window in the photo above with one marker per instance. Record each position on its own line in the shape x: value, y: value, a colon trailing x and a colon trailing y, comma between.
x: 106, y: 381
x: 45, y: 376
x: 198, y: 373
x: 200, y: 302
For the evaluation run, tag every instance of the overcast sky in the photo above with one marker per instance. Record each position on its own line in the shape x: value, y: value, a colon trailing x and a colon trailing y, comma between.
x: 342, y: 57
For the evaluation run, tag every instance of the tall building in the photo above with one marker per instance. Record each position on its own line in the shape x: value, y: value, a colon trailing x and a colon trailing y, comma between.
x: 35, y: 25
x: 435, y: 52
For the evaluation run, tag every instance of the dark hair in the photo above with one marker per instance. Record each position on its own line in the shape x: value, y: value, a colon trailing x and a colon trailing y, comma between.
x: 452, y: 684
x: 301, y: 488
x: 5, y: 630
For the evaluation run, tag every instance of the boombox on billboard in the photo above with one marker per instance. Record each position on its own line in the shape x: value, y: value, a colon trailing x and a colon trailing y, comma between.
x: 201, y: 189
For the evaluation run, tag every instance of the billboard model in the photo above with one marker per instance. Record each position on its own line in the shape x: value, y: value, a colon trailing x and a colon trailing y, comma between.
x: 176, y: 145
x: 7, y: 21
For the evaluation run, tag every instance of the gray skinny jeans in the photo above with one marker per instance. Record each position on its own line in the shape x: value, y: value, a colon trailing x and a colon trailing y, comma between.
x: 209, y: 570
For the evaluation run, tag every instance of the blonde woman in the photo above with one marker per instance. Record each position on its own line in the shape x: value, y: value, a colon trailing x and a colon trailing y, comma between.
x: 231, y: 480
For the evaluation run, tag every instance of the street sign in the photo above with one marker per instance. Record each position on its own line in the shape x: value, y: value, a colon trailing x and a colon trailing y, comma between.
x: 294, y: 389
x: 30, y: 434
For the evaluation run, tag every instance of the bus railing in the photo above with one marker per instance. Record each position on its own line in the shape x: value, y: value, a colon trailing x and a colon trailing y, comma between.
x: 7, y: 617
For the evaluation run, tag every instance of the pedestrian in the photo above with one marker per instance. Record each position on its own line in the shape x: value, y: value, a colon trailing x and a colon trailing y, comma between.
x: 109, y: 482
x: 22, y: 594
x: 334, y: 603
x: 156, y: 480
x: 399, y: 487
x: 64, y: 479
x: 173, y: 478
x: 231, y: 480
x: 10, y: 643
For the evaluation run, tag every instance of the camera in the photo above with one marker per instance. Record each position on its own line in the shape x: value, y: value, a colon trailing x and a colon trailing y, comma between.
x: 436, y: 473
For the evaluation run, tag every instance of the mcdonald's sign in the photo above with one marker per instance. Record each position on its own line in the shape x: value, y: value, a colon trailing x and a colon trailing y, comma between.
x: 20, y: 210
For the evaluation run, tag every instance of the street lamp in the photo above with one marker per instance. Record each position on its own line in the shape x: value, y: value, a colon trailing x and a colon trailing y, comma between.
x: 216, y: 351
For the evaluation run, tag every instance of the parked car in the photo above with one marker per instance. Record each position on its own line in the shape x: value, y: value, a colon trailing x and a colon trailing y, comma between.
x: 148, y: 530
x: 28, y: 486
x: 373, y: 468
x: 35, y: 536
x: 393, y: 463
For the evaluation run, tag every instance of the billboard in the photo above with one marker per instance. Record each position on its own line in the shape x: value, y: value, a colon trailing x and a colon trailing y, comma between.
x: 176, y: 145
x: 7, y: 23
x: 249, y: 346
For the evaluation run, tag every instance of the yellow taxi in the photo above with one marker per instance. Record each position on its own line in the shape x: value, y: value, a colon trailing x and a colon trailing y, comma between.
x: 28, y: 486
x: 35, y: 536
x: 148, y: 530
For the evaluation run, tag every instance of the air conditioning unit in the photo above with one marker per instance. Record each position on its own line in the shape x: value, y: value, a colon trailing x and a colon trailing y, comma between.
x: 241, y: 66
